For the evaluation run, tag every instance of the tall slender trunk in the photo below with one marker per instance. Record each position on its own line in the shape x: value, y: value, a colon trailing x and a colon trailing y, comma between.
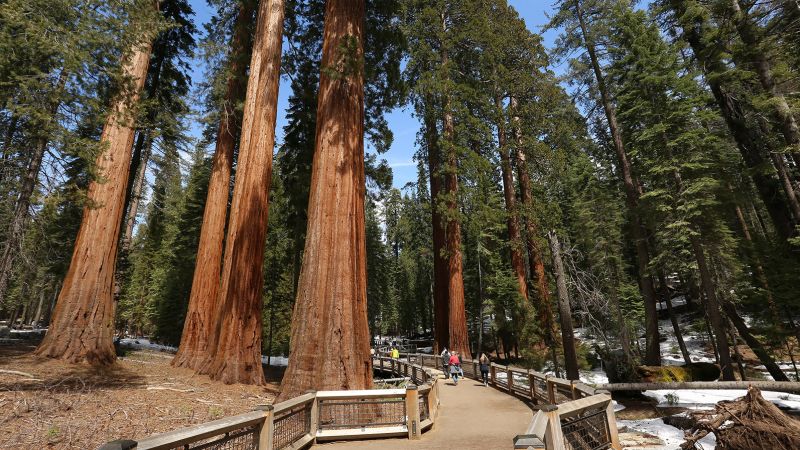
x: 673, y: 318
x: 544, y: 309
x: 457, y: 314
x: 440, y: 282
x: 236, y: 354
x: 200, y: 326
x: 330, y: 332
x: 759, y: 59
x: 480, y: 299
x: 751, y: 145
x: 783, y: 173
x: 143, y: 149
x: 512, y: 220
x: 752, y: 342
x: 82, y: 326
x: 19, y: 219
x: 564, y: 310
x: 457, y: 324
x: 652, y: 348
x: 713, y: 310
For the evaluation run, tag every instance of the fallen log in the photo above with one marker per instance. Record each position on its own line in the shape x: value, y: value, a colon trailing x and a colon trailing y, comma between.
x: 779, y: 386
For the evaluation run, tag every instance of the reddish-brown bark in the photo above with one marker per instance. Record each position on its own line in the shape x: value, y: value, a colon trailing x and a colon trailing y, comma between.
x: 512, y: 222
x: 544, y: 309
x: 440, y: 279
x: 82, y: 326
x: 330, y: 332
x: 457, y: 314
x: 236, y: 355
x: 200, y: 325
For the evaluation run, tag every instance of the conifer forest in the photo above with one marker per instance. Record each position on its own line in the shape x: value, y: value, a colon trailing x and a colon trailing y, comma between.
x: 272, y: 192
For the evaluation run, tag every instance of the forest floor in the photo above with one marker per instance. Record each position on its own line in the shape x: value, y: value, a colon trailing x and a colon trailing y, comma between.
x: 50, y: 404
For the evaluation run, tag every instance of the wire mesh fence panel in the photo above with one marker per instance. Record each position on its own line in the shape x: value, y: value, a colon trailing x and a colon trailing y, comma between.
x: 424, y: 412
x: 469, y: 369
x: 520, y: 384
x: 242, y: 439
x: 361, y: 413
x: 587, y: 432
x: 291, y: 425
x: 541, y: 391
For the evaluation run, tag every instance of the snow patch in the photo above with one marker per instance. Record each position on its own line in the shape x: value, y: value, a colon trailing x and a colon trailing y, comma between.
x: 707, y: 398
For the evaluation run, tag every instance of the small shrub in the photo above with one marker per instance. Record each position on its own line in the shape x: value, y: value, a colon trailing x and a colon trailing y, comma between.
x: 672, y: 398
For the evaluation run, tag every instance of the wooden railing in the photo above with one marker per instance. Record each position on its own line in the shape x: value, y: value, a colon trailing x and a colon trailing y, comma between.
x: 571, y: 414
x: 315, y: 417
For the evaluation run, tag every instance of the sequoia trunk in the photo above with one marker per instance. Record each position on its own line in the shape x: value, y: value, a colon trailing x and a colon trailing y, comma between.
x: 544, y: 309
x: 440, y: 281
x: 82, y: 325
x: 330, y: 332
x: 512, y: 221
x: 200, y: 326
x: 236, y: 354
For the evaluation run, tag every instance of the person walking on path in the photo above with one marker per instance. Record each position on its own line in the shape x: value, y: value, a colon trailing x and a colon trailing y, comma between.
x: 395, y: 353
x: 484, y: 363
x: 455, y: 367
x: 445, y: 355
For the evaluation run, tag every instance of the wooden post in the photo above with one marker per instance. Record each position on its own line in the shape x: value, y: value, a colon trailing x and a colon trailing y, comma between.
x: 433, y: 399
x: 510, y: 379
x: 575, y: 394
x: 493, y: 375
x: 475, y: 370
x: 613, y: 433
x: 412, y: 413
x: 532, y: 387
x: 553, y: 437
x: 265, y: 434
x: 314, y: 426
x: 551, y: 391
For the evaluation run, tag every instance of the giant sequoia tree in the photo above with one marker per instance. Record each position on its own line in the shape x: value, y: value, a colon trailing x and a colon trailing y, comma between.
x: 330, y: 333
x: 82, y: 326
x: 236, y: 350
x: 200, y: 327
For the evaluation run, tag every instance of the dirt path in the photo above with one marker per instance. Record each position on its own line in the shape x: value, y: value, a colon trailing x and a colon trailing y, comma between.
x: 471, y: 416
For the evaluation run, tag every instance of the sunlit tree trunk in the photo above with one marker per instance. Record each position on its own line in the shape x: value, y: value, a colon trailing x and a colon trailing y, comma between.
x: 440, y: 281
x: 459, y: 339
x: 82, y: 325
x: 564, y: 309
x: 330, y: 332
x: 236, y: 354
x: 512, y: 221
x: 199, y: 328
x: 544, y: 310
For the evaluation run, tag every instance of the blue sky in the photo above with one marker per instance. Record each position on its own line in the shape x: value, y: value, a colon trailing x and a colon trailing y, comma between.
x: 402, y: 123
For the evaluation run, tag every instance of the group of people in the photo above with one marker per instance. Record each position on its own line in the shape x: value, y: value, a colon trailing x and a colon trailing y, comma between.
x: 451, y: 366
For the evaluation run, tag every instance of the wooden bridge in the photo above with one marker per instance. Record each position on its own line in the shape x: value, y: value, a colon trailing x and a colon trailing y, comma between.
x: 430, y: 413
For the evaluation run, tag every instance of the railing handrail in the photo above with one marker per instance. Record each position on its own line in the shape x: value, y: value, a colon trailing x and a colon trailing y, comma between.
x: 292, y: 402
x: 187, y: 435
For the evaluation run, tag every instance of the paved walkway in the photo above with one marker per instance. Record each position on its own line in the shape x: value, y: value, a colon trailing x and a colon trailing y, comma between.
x: 471, y: 416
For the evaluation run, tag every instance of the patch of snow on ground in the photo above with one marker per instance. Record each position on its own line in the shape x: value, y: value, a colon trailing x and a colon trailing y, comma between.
x: 672, y: 437
x: 707, y: 398
x: 594, y: 376
x: 145, y: 344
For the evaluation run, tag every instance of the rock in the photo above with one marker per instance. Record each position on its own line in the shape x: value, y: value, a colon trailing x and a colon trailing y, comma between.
x: 5, y: 332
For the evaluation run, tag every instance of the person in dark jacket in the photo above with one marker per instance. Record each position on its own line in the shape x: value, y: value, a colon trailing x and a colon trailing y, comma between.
x: 445, y: 355
x: 484, y: 363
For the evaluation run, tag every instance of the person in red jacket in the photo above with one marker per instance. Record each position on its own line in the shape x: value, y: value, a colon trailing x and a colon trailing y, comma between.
x: 455, y: 367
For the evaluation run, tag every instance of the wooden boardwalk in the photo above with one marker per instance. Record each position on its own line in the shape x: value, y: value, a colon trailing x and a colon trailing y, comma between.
x: 471, y: 416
